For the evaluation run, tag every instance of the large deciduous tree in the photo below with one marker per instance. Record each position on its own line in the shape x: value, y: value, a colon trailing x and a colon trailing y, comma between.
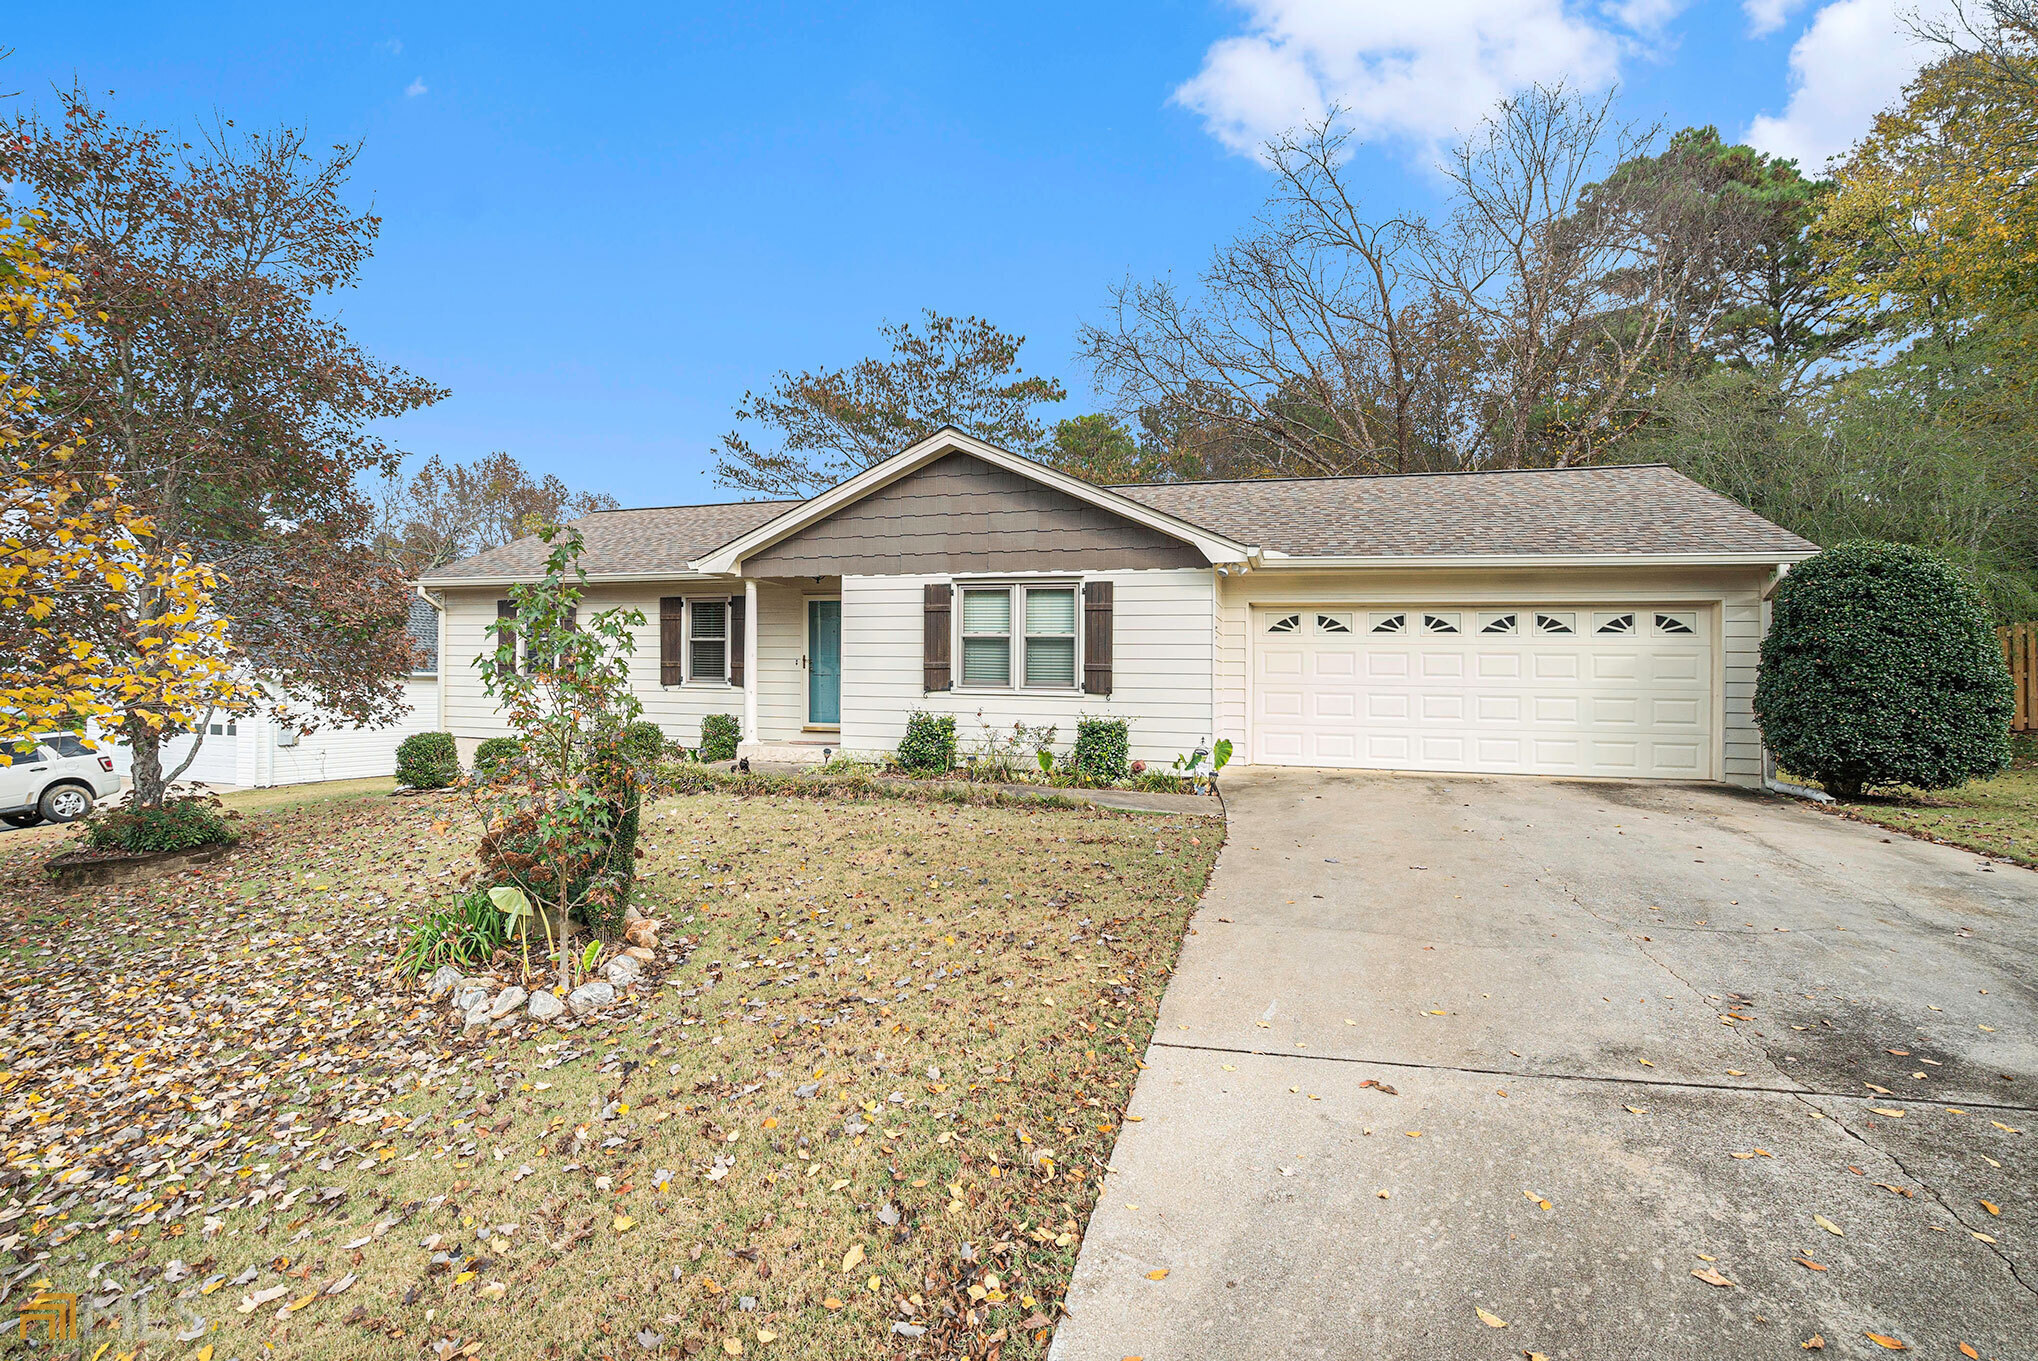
x: 444, y: 512
x: 1517, y: 331
x: 826, y: 425
x: 212, y: 381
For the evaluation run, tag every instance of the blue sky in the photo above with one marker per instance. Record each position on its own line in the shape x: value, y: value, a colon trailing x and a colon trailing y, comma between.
x: 600, y: 229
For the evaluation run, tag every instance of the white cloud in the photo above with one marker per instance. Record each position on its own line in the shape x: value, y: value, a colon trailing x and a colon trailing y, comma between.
x: 1421, y: 70
x: 1850, y: 64
x: 416, y: 88
x: 1766, y: 16
x: 393, y: 46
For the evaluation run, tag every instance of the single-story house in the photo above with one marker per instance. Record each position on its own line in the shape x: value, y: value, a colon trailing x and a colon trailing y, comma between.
x: 1594, y: 621
x: 255, y: 751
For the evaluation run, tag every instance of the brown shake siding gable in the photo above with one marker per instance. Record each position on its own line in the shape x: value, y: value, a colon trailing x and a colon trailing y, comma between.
x: 959, y: 514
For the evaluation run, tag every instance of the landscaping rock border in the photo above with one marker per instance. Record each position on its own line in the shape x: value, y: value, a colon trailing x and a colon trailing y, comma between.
x: 484, y: 1002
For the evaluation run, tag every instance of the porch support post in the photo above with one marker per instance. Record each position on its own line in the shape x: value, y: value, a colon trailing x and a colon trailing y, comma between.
x: 751, y: 625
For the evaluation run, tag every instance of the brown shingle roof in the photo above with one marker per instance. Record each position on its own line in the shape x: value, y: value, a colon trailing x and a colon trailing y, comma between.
x: 660, y: 539
x: 1633, y: 508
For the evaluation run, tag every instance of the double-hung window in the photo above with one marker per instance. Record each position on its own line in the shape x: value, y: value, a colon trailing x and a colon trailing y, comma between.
x: 707, y: 648
x: 1021, y: 637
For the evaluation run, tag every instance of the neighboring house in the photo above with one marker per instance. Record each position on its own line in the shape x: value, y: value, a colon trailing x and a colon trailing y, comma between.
x: 256, y: 751
x: 1599, y: 621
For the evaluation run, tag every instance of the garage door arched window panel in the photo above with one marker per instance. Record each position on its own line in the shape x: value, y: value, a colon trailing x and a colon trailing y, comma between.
x: 1285, y: 623
x: 1508, y: 622
x: 1556, y: 623
x: 1676, y: 621
x: 1334, y: 623
x: 1440, y: 623
x: 1615, y: 623
x: 1390, y: 623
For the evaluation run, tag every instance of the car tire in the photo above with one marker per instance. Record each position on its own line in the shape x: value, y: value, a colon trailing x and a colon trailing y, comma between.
x: 65, y: 803
x: 28, y: 819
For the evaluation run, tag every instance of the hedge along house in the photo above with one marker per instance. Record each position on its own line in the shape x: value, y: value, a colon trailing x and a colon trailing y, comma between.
x: 1600, y: 621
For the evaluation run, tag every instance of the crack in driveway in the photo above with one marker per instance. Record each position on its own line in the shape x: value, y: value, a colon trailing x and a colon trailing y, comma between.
x: 1527, y: 1075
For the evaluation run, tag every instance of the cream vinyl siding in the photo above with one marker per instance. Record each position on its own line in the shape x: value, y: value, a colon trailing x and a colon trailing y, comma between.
x: 678, y: 709
x: 1161, y: 646
x: 1732, y: 595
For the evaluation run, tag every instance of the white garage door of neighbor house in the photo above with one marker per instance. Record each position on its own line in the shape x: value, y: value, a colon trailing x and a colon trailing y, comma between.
x: 1531, y: 689
x: 218, y: 755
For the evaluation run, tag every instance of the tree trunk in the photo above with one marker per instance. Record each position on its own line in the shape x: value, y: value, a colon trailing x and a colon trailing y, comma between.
x: 145, y: 750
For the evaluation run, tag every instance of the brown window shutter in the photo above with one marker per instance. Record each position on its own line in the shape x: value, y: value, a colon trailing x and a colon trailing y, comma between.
x: 1097, y: 638
x: 507, y: 636
x: 934, y: 670
x: 671, y: 632
x: 736, y: 641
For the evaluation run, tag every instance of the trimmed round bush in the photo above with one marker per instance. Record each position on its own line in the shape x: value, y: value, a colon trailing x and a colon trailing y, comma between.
x: 1101, y: 745
x: 1882, y: 668
x: 720, y: 734
x: 497, y: 756
x: 180, y: 825
x: 642, y: 742
x: 929, y: 743
x: 427, y: 760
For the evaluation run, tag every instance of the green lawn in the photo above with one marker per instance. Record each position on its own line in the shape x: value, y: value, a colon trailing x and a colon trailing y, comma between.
x: 1999, y: 816
x: 871, y: 1093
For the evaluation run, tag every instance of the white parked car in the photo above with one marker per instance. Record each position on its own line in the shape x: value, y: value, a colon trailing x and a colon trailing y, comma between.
x: 55, y: 777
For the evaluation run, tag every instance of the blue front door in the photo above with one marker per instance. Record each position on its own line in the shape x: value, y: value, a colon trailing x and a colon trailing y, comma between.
x: 824, y: 663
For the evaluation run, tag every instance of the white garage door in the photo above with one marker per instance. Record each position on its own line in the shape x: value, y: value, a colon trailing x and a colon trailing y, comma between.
x: 218, y: 761
x: 1542, y: 689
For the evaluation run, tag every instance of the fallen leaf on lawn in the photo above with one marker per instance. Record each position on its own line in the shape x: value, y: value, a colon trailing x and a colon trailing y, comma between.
x: 766, y: 1335
x: 623, y: 1224
x: 1709, y: 1276
x: 732, y: 1346
x: 1887, y: 1343
x: 1490, y: 1320
x: 1828, y: 1225
x: 1160, y: 1274
x: 851, y: 1258
x: 831, y: 1303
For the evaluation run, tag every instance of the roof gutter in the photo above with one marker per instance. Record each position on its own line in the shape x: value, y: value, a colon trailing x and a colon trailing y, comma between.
x: 597, y: 578
x: 1284, y: 563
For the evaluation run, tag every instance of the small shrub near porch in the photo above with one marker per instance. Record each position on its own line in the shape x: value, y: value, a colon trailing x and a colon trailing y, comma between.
x: 721, y: 734
x: 929, y: 743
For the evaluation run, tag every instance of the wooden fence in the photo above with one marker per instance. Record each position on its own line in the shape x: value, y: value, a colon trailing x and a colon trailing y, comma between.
x: 2020, y: 650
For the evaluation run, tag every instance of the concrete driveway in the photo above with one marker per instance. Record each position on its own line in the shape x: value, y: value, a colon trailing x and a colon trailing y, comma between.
x: 1631, y: 1032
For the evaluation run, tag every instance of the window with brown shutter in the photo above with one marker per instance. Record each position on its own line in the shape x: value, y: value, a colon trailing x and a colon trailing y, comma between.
x: 1097, y: 638
x: 671, y: 639
x: 506, y: 634
x: 736, y: 604
x: 934, y: 648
